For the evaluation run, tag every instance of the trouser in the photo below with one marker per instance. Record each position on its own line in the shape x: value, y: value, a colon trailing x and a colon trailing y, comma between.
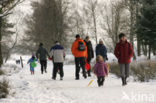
x: 32, y: 70
x: 43, y: 65
x: 58, y: 66
x: 80, y: 62
x: 124, y: 70
x: 100, y: 80
x: 89, y: 71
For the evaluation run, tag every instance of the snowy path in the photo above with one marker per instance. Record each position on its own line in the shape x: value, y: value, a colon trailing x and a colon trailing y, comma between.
x: 41, y: 89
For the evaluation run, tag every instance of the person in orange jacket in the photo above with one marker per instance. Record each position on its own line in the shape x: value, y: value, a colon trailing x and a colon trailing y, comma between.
x: 79, y: 50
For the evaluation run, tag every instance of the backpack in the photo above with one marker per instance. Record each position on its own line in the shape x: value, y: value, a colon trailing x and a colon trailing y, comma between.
x: 33, y: 64
x: 81, y: 46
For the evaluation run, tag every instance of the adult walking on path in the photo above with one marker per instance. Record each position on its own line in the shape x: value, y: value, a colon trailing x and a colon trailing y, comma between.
x: 42, y: 55
x: 79, y: 50
x: 101, y: 50
x: 57, y: 54
x: 90, y: 53
x: 124, y: 52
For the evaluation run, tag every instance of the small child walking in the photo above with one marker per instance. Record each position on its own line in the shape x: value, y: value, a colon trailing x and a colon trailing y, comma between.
x: 100, y: 70
x: 32, y: 62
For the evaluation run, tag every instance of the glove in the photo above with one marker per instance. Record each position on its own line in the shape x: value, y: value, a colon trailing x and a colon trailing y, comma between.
x: 50, y: 58
x: 107, y: 58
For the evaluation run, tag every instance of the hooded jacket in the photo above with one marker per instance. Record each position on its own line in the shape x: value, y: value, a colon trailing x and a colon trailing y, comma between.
x: 100, y: 69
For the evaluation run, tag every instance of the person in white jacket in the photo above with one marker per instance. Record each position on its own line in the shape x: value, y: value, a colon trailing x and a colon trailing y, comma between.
x: 57, y: 54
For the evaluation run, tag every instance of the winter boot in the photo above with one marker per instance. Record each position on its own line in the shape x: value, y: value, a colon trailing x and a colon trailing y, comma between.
x: 85, y: 76
x: 89, y: 74
x: 61, y: 78
x: 98, y: 82
x: 123, y: 81
x: 53, y: 78
x: 45, y: 71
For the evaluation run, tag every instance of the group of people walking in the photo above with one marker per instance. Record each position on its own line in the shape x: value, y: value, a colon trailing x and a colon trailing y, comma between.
x: 83, y: 52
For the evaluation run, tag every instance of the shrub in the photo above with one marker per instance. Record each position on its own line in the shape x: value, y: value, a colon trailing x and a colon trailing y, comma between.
x: 114, y: 68
x: 4, y: 85
x: 1, y: 72
x: 141, y: 71
x: 144, y: 71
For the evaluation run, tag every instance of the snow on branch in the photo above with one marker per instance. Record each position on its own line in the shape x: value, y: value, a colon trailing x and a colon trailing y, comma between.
x: 7, y: 11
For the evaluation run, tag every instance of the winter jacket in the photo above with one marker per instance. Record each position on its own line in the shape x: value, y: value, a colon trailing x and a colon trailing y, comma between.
x: 75, y: 50
x: 42, y: 53
x: 90, y: 52
x: 57, y: 53
x: 123, y: 52
x: 31, y: 60
x: 100, y: 69
x: 101, y: 50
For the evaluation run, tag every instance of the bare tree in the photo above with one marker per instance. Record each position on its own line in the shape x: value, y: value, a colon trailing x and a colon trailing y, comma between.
x: 114, y: 21
x: 6, y: 7
x: 91, y: 10
x: 15, y: 41
x: 48, y: 23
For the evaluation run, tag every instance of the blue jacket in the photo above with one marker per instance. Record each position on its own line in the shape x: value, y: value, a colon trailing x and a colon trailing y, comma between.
x: 101, y: 50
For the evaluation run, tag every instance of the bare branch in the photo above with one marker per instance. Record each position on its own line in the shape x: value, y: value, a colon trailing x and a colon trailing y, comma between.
x: 7, y: 11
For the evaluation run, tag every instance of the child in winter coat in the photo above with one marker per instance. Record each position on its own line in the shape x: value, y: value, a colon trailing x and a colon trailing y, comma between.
x: 32, y: 62
x: 100, y: 69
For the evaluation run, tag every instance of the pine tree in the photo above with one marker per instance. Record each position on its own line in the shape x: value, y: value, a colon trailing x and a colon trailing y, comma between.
x: 146, y: 25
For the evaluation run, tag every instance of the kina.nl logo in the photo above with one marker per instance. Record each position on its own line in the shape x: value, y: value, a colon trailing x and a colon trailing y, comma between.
x: 139, y: 97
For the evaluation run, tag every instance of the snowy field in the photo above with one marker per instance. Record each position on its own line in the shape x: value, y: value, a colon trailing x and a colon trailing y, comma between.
x: 25, y: 88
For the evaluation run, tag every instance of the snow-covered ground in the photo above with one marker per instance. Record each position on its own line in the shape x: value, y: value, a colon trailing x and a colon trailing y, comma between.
x: 25, y: 88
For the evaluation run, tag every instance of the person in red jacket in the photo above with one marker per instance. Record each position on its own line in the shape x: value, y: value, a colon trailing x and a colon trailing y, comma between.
x: 124, y: 52
x: 79, y: 50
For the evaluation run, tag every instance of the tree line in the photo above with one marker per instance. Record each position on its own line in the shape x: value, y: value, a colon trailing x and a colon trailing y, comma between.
x: 60, y: 20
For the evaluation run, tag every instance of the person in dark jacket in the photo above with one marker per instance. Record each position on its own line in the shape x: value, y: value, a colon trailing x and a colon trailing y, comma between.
x: 124, y: 52
x: 101, y: 50
x: 89, y: 52
x: 57, y: 54
x: 42, y: 54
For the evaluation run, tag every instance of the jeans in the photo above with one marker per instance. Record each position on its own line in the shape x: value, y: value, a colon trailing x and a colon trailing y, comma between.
x: 124, y: 70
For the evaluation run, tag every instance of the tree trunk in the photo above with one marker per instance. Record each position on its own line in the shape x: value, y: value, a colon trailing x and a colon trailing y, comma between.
x: 138, y: 38
x: 138, y: 46
x: 95, y: 28
x: 149, y: 52
x: 144, y: 48
x: 132, y: 29
x: 154, y: 49
x: 1, y: 59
